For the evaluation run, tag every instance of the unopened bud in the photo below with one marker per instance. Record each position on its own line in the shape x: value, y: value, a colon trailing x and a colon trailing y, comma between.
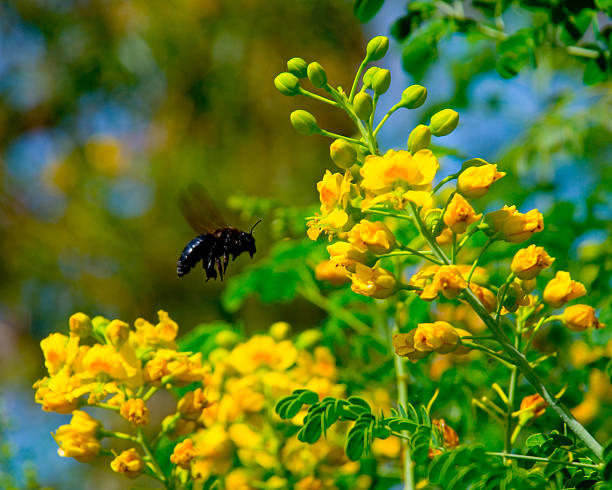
x: 444, y: 122
x: 381, y: 81
x: 368, y: 75
x: 434, y: 222
x: 287, y: 84
x: 308, y: 338
x: 227, y: 339
x: 419, y: 138
x: 377, y: 48
x: 413, y: 97
x: 343, y: 153
x: 363, y: 105
x: 473, y: 162
x: 297, y: 67
x: 279, y: 330
x: 117, y: 333
x: 80, y: 325
x: 317, y: 75
x: 304, y: 122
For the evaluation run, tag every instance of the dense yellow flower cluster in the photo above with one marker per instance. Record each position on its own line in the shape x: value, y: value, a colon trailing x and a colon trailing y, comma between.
x: 237, y: 437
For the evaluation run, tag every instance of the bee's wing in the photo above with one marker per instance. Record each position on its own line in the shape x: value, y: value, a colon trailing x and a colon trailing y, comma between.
x: 199, y: 210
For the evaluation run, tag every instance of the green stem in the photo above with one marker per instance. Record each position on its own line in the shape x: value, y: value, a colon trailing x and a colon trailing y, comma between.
x: 402, y: 394
x: 518, y: 358
x: 409, y: 251
x: 145, y: 446
x: 444, y: 181
x: 150, y: 393
x: 314, y: 96
x: 475, y: 264
x: 384, y: 119
x: 364, y: 63
x: 504, y: 360
x: 118, y: 435
x: 387, y: 213
x: 329, y: 134
x: 510, y: 407
x: 546, y: 460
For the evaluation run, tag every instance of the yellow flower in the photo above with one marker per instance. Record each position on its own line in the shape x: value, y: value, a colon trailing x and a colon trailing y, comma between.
x: 178, y: 367
x: 331, y: 224
x: 449, y: 435
x: 459, y: 214
x: 374, y: 282
x: 78, y: 439
x: 373, y: 237
x: 581, y: 354
x: 238, y: 479
x: 117, y: 333
x: 59, y: 350
x: 214, y: 453
x: 119, y: 364
x: 128, y: 463
x: 309, y: 483
x: 262, y: 351
x: 580, y: 317
x: 446, y: 280
x: 345, y: 255
x: 331, y: 272
x: 192, y: 404
x: 334, y: 191
x: 162, y: 335
x: 529, y: 262
x: 586, y: 411
x: 513, y: 226
x: 562, y: 289
x: 403, y: 344
x: 532, y: 406
x: 439, y: 336
x: 399, y: 169
x: 475, y: 181
x: 486, y: 297
x: 183, y: 454
x: 135, y: 411
x: 80, y: 325
x: 56, y: 394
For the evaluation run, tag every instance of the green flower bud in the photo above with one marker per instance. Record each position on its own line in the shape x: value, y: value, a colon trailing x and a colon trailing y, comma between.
x: 443, y: 122
x: 413, y: 97
x: 317, y: 75
x: 227, y: 339
x: 363, y: 105
x: 304, y: 122
x: 343, y: 153
x: 514, y: 297
x: 368, y: 75
x: 434, y: 222
x: 381, y: 81
x: 419, y: 138
x: 377, y: 48
x: 308, y: 338
x: 99, y: 324
x: 80, y: 325
x: 279, y: 330
x: 297, y: 67
x: 287, y: 84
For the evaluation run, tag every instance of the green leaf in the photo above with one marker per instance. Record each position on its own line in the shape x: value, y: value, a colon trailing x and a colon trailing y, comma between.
x: 355, y: 402
x: 594, y: 72
x: 202, y: 338
x: 536, y: 440
x: 365, y: 10
x: 308, y: 397
x: 559, y: 440
x: 422, y: 48
x: 354, y: 444
x: 311, y: 432
x: 437, y: 467
x: 514, y: 53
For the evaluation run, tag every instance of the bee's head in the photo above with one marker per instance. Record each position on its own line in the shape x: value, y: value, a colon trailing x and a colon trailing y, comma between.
x: 248, y: 240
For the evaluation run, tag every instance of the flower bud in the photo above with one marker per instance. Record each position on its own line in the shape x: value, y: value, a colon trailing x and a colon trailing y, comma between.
x: 532, y: 406
x: 99, y: 324
x: 528, y: 285
x: 342, y: 153
x: 363, y: 105
x: 331, y: 272
x: 419, y: 138
x: 117, y: 333
x: 476, y: 177
x: 80, y: 325
x: 377, y: 48
x: 459, y: 214
x: 512, y: 226
x: 562, y: 289
x: 191, y: 405
x: 279, y: 330
x: 580, y: 317
x: 183, y: 453
x: 128, y: 463
x: 413, y: 97
x: 375, y: 282
x: 403, y: 344
x: 317, y: 75
x: 297, y: 67
x: 529, y: 262
x: 438, y: 336
x: 514, y: 296
x: 308, y: 338
x: 381, y: 81
x: 227, y: 339
x: 135, y: 411
x: 369, y: 75
x: 444, y: 122
x: 287, y: 84
x: 434, y: 222
x: 304, y: 122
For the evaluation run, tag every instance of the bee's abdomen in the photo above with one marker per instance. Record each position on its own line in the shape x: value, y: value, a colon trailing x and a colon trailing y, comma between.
x: 195, y: 250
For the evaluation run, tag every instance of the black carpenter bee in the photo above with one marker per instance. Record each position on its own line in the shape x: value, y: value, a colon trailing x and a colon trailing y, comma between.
x: 215, y: 241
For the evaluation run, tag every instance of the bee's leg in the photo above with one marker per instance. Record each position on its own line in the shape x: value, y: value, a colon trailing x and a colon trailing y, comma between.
x: 225, y: 261
x: 219, y: 267
x: 209, y: 267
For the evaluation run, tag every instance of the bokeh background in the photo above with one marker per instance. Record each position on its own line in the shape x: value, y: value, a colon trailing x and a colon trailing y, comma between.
x: 108, y: 109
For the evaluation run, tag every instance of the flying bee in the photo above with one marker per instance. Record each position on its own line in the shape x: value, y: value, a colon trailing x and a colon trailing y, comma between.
x: 215, y: 241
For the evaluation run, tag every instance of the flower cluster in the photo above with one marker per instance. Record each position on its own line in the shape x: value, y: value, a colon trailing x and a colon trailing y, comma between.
x: 237, y: 438
x: 110, y: 365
